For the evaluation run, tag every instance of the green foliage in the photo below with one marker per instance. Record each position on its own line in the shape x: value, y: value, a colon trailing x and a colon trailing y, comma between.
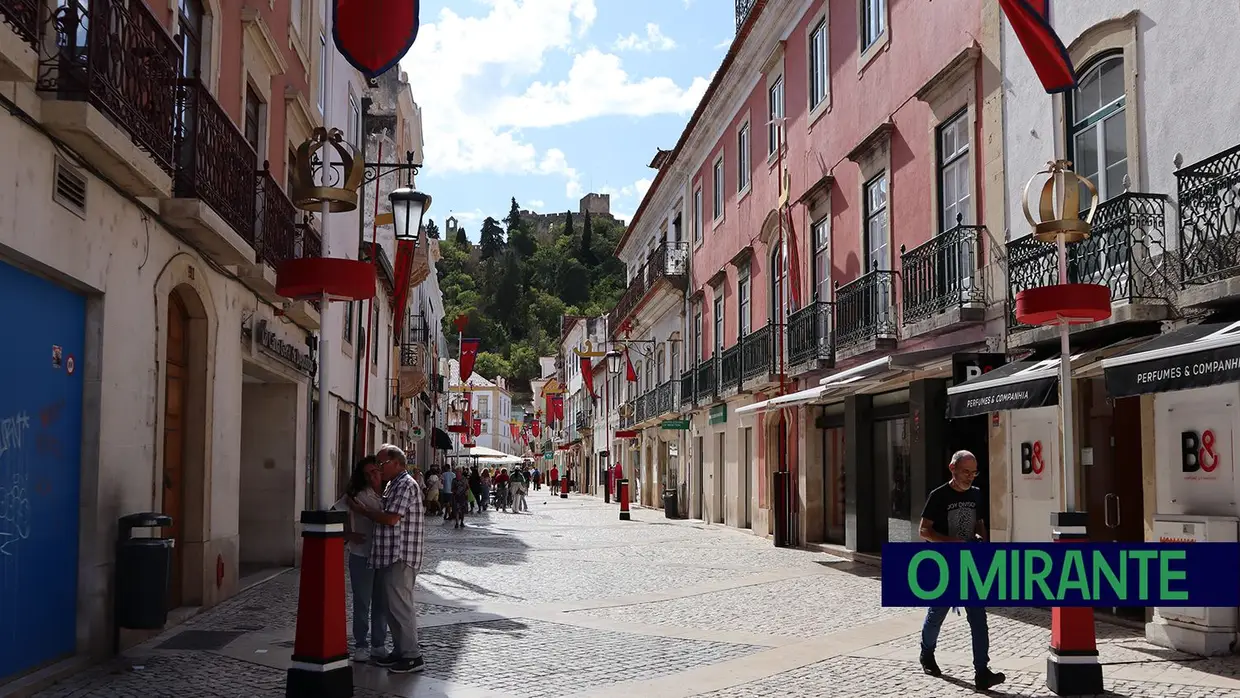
x: 432, y: 230
x: 515, y: 292
x: 461, y: 239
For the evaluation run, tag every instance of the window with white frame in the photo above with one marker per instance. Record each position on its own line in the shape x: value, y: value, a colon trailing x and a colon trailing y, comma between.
x: 718, y: 188
x: 322, y: 71
x: 819, y: 65
x: 954, y: 172
x: 354, y: 120
x: 484, y: 406
x: 780, y: 300
x: 718, y: 321
x: 742, y: 157
x: 295, y: 14
x: 697, y: 331
x: 697, y: 215
x: 673, y: 366
x: 742, y: 300
x: 661, y: 367
x: 775, y: 111
x: 1097, y: 129
x: 876, y: 248
x: 873, y: 21
x: 820, y: 232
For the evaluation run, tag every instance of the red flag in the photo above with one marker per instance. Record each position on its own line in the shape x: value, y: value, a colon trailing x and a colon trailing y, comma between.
x: 1031, y: 24
x: 587, y: 374
x: 557, y: 408
x: 515, y: 429
x: 373, y: 35
x: 469, y: 354
x: 630, y: 372
x: 405, y: 251
x: 534, y: 428
x: 550, y: 409
x: 477, y: 426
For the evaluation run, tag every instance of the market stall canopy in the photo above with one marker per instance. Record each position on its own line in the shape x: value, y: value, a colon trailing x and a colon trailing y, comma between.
x: 1197, y: 356
x: 480, y: 452
x: 501, y: 460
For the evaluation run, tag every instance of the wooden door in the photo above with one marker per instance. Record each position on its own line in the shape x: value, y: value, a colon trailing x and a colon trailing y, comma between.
x: 174, y: 437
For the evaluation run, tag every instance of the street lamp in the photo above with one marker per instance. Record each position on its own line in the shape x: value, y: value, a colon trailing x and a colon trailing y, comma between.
x: 615, y: 362
x: 408, y: 208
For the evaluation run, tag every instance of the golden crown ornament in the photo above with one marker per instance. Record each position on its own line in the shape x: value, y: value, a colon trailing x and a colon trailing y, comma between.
x: 1059, y: 205
x: 310, y: 193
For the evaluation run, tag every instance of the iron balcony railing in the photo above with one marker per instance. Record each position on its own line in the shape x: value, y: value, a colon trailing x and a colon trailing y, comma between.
x: 670, y: 261
x: 665, y: 398
x: 865, y: 308
x: 23, y: 16
x: 743, y: 7
x: 730, y: 368
x: 214, y: 160
x: 116, y: 55
x: 1209, y: 194
x: 758, y: 353
x: 583, y: 419
x: 810, y: 335
x: 309, y: 242
x: 706, y: 378
x: 411, y: 356
x: 942, y: 273
x: 686, y: 388
x: 417, y: 331
x: 1124, y: 252
x: 628, y: 414
x: 276, y: 233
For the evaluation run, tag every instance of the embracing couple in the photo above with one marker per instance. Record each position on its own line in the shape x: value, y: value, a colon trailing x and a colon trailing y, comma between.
x: 385, y: 551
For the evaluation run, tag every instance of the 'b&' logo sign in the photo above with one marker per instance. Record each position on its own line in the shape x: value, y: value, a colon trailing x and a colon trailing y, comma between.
x: 1031, y: 462
x: 1199, y: 452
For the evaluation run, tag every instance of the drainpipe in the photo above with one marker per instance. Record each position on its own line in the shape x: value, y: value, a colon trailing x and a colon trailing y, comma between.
x: 361, y: 238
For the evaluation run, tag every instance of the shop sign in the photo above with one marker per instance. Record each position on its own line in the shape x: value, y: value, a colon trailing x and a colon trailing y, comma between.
x: 679, y: 424
x: 1201, y: 454
x: 289, y: 353
x: 1032, y: 465
x: 718, y: 414
x: 549, y: 455
x: 966, y: 367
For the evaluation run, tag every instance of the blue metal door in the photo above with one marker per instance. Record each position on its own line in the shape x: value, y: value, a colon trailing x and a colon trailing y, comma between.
x: 40, y: 469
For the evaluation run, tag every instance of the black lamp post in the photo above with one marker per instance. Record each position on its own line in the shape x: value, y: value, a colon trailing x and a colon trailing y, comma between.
x: 408, y: 208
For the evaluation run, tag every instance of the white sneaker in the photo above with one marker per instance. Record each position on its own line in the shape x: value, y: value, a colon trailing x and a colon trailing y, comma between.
x: 361, y: 654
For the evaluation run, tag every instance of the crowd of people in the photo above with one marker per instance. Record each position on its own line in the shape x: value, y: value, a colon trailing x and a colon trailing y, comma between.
x: 456, y: 492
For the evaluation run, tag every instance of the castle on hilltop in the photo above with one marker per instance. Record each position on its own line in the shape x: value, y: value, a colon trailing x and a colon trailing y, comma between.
x: 598, y: 205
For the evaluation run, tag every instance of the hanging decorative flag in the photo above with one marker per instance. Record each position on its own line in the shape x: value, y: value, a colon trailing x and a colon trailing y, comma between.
x: 550, y: 409
x: 587, y: 374
x: 630, y: 372
x: 558, y: 403
x: 1030, y: 20
x: 534, y: 428
x: 373, y: 35
x: 477, y: 426
x: 515, y: 429
x: 469, y: 354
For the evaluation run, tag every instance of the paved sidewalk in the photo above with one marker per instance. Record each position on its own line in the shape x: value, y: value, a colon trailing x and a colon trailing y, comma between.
x: 569, y: 601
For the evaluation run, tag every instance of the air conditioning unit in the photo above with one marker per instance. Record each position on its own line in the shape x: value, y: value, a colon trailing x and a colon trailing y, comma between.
x: 1200, y: 631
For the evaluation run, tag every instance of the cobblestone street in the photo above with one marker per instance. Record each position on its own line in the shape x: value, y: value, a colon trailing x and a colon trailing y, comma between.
x: 569, y: 601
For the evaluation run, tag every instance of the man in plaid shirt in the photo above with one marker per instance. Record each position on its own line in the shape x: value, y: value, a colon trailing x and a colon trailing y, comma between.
x: 396, y: 555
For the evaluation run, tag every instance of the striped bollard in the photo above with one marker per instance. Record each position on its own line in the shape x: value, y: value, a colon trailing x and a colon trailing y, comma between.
x: 320, y: 667
x: 1072, y: 669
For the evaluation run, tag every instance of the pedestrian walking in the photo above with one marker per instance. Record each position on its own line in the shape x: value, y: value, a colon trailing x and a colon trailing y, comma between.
x: 555, y: 479
x: 475, y: 488
x: 396, y: 556
x: 486, y: 489
x: 518, y: 485
x: 369, y: 603
x: 433, y: 485
x: 460, y: 497
x: 447, y: 477
x: 953, y: 514
x: 501, y: 490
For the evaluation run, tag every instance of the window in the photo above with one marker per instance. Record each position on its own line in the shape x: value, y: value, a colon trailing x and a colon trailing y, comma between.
x: 697, y: 331
x: 954, y: 172
x: 876, y: 224
x: 718, y: 188
x: 322, y: 71
x: 354, y: 133
x: 742, y: 158
x: 191, y: 14
x: 873, y: 21
x: 718, y: 321
x: 819, y: 67
x: 821, y: 235
x: 253, y: 120
x: 294, y: 14
x: 374, y: 341
x: 775, y: 109
x: 697, y: 215
x: 779, y: 286
x: 484, y: 406
x: 742, y: 300
x: 1097, y: 131
x: 661, y: 367
x: 674, y: 367
x: 348, y: 323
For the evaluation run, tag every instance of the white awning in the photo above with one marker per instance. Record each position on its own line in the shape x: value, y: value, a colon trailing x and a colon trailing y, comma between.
x: 858, y: 372
x: 783, y: 401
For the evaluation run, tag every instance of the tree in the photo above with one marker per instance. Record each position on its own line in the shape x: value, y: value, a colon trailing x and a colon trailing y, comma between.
x: 489, y: 365
x: 568, y: 223
x: 432, y: 230
x: 586, y: 252
x: 513, y: 220
x: 461, y: 238
x: 492, y: 238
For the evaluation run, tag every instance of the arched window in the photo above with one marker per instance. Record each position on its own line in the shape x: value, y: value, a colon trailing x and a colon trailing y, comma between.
x: 191, y: 21
x: 1097, y: 132
x: 780, y: 302
x: 661, y: 367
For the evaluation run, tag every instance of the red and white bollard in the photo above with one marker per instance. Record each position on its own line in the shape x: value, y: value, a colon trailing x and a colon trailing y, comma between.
x: 320, y: 667
x: 622, y: 492
x: 563, y: 486
x: 1072, y: 669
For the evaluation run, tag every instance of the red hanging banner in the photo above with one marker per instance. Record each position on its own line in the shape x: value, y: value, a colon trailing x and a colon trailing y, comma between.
x: 1030, y: 20
x: 534, y: 429
x: 477, y: 427
x: 515, y: 429
x: 557, y: 405
x: 587, y: 374
x: 373, y: 35
x: 630, y: 372
x: 469, y: 354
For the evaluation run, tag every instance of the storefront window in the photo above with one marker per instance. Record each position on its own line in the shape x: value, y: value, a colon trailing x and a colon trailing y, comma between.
x: 833, y: 483
x: 891, y: 452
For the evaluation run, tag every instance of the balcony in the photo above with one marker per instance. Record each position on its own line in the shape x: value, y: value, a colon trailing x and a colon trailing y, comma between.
x: 213, y: 200
x: 705, y: 379
x: 657, y: 285
x: 865, y: 314
x: 1125, y: 252
x: 275, y: 235
x: 413, y: 364
x: 416, y: 330
x: 19, y: 30
x: 1209, y: 242
x: 760, y: 357
x: 941, y: 282
x: 687, y: 389
x: 583, y: 420
x: 743, y: 7
x: 811, y: 341
x: 109, y: 69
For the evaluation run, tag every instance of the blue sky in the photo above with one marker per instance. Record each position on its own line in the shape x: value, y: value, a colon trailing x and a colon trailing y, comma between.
x: 546, y: 100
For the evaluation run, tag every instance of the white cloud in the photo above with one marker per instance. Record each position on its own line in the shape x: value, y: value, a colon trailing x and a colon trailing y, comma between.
x: 536, y: 204
x: 655, y: 40
x: 724, y: 44
x: 470, y: 76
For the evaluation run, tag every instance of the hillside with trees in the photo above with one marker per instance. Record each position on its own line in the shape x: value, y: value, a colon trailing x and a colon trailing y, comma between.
x: 515, y: 284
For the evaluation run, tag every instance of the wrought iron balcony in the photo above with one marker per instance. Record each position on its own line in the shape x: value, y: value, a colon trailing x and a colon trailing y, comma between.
x: 942, y: 273
x: 23, y: 16
x: 309, y: 242
x: 118, y: 57
x: 1209, y: 193
x: 705, y: 379
x: 583, y: 419
x: 670, y: 262
x: 686, y: 387
x: 416, y: 329
x: 730, y: 368
x: 276, y: 234
x: 758, y: 352
x: 743, y: 8
x: 214, y: 161
x: 665, y: 397
x: 810, y: 335
x: 1124, y: 253
x: 865, y: 309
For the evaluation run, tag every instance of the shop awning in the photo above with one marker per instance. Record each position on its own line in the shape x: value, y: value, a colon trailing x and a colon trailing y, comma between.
x: 1197, y: 356
x: 1016, y: 386
x: 799, y: 398
x: 440, y: 439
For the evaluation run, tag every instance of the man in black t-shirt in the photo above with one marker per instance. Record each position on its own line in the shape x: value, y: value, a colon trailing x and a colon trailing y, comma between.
x: 953, y: 514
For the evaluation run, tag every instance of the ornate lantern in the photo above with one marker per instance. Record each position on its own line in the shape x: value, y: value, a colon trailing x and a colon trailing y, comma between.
x: 408, y: 208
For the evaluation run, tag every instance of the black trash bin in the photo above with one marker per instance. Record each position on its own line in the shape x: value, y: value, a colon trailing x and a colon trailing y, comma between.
x: 671, y: 504
x: 143, y: 573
